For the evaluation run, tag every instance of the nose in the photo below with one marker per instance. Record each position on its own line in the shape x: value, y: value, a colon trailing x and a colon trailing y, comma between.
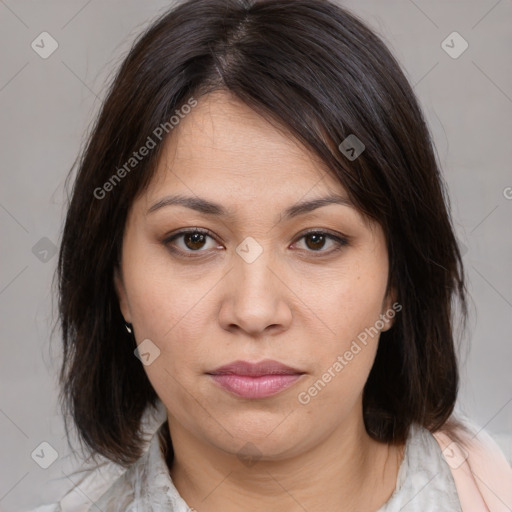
x: 255, y: 296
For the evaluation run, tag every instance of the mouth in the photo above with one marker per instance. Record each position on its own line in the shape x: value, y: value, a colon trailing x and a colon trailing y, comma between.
x: 255, y: 380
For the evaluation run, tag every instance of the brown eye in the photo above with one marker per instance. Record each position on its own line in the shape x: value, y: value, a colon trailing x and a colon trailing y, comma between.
x: 194, y: 241
x: 190, y: 241
x: 315, y: 241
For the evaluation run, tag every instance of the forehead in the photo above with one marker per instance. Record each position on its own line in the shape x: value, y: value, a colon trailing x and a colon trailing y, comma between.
x: 223, y: 144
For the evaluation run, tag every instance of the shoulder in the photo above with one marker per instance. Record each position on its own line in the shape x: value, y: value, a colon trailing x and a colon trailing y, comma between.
x: 109, y: 486
x: 93, y: 484
x: 480, y: 470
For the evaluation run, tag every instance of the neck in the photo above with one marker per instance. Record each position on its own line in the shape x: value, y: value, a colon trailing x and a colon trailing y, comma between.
x: 346, y: 471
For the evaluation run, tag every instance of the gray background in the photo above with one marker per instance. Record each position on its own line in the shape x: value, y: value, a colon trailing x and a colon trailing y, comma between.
x: 47, y: 106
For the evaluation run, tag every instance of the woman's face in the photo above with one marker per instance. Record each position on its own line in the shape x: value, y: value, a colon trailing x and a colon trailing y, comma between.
x: 255, y: 287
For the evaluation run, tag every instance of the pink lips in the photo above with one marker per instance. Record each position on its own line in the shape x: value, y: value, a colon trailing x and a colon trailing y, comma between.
x: 255, y: 380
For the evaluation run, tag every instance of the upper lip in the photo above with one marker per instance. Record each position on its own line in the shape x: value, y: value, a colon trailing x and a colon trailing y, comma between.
x: 265, y: 367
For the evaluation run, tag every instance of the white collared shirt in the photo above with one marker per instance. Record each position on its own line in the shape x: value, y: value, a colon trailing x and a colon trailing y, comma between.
x: 424, y: 483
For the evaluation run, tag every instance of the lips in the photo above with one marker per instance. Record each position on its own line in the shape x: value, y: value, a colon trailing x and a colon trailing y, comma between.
x: 266, y: 367
x: 255, y: 380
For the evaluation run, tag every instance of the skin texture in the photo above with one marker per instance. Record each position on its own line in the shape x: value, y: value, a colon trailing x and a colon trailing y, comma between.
x: 299, y: 302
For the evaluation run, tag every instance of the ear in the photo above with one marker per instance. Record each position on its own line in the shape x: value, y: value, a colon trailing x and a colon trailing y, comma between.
x: 390, y: 308
x: 121, y: 295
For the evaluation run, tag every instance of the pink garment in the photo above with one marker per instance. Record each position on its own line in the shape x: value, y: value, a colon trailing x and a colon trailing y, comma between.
x: 482, y: 475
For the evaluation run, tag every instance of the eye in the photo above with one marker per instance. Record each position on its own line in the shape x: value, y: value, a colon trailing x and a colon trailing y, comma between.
x: 316, y: 240
x: 193, y: 240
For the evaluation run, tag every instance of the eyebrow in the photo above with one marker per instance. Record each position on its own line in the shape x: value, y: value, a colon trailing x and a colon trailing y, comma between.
x: 207, y: 207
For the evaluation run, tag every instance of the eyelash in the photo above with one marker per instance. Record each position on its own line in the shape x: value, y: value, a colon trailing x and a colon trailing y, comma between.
x: 341, y: 241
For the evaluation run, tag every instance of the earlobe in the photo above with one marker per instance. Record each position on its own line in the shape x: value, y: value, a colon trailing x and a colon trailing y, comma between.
x: 121, y: 295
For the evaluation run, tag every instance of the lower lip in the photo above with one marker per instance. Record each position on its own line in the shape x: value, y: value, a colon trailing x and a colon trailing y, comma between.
x: 255, y: 387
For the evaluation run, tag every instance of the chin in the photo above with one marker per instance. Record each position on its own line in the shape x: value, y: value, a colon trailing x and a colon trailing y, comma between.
x: 269, y: 435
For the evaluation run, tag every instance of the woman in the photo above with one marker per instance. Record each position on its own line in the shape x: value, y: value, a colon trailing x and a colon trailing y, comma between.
x: 258, y: 240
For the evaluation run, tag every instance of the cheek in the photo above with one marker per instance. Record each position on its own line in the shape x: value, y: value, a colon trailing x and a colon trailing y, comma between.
x: 164, y: 297
x: 351, y: 308
x: 341, y: 368
x: 173, y: 320
x: 172, y: 311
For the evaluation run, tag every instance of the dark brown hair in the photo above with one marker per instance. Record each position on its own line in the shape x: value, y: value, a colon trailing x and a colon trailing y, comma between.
x: 318, y: 72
